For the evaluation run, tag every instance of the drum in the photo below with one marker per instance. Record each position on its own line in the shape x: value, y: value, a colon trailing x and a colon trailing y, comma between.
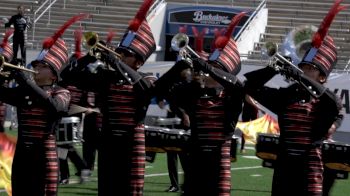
x: 175, y: 139
x: 166, y: 121
x: 68, y: 131
x: 266, y: 146
x: 153, y: 140
x: 336, y: 155
x: 233, y: 151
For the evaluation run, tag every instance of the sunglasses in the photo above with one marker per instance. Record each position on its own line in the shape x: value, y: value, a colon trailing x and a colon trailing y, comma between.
x: 126, y: 53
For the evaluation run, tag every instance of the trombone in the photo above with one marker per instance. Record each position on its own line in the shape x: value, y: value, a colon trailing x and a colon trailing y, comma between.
x: 4, y: 63
x: 92, y: 41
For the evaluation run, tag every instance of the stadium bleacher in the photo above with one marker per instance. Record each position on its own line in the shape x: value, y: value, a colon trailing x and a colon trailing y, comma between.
x: 115, y: 14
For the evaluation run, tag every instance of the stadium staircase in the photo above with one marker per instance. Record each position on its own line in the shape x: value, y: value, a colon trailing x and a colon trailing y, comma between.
x: 284, y: 15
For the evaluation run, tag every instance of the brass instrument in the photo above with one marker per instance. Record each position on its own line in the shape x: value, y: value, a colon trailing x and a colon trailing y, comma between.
x: 4, y: 63
x: 180, y: 43
x: 295, y: 44
x: 277, y: 61
x: 92, y: 41
x: 280, y: 63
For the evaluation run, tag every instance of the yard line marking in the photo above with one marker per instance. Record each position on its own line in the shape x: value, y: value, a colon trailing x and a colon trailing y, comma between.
x: 244, y: 168
x: 250, y: 157
x: 249, y: 148
x: 77, y: 181
x: 161, y: 174
x: 238, y: 168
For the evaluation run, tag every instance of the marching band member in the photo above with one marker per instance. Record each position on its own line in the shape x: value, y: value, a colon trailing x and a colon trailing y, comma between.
x: 92, y: 127
x: 40, y: 105
x: 76, y: 97
x: 172, y: 157
x: 304, y: 118
x: 123, y: 92
x: 213, y: 104
x: 21, y: 24
x: 7, y: 52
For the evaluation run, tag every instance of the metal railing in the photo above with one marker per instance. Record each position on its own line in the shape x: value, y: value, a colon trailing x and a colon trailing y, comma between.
x: 154, y: 7
x: 47, y: 5
x: 252, y: 16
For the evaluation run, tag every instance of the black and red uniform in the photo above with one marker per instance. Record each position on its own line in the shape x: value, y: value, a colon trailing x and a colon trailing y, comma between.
x: 124, y: 101
x: 213, y: 114
x: 73, y: 155
x: 124, y: 96
x: 7, y: 52
x: 306, y: 112
x: 92, y: 127
x: 304, y: 121
x: 2, y: 116
x: 35, y: 163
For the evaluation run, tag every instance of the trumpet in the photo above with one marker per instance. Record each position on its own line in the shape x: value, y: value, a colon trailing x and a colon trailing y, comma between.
x: 180, y: 43
x: 92, y: 41
x: 280, y: 63
x: 277, y: 61
x: 4, y: 63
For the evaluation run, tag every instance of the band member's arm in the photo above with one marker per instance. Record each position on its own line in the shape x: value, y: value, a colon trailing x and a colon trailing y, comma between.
x: 233, y: 108
x: 126, y: 71
x: 10, y: 96
x: 271, y: 98
x: 338, y: 120
x: 166, y: 82
x: 253, y: 103
x: 29, y: 22
x: 10, y: 22
x: 138, y: 80
x: 181, y: 113
x: 313, y: 87
x: 326, y: 96
x: 77, y: 73
x: 226, y: 79
x: 58, y: 102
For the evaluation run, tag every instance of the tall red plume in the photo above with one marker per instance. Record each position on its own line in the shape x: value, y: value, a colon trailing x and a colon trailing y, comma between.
x: 78, y: 36
x: 135, y: 23
x: 183, y: 29
x: 8, y: 33
x: 198, y: 38
x: 217, y: 33
x: 221, y: 41
x: 110, y: 36
x: 326, y: 23
x: 48, y: 42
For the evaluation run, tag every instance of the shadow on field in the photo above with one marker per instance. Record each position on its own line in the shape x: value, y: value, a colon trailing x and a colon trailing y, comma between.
x: 67, y: 187
x: 160, y: 183
x: 75, y: 193
x: 250, y: 190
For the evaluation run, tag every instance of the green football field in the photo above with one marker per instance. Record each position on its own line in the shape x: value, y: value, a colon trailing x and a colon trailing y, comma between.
x: 248, y: 179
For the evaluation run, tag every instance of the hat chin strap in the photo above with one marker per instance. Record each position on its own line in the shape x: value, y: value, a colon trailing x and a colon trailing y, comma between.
x: 46, y: 83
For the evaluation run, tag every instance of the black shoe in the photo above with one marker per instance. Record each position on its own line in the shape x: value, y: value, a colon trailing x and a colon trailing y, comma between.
x: 64, y: 181
x: 84, y: 175
x: 172, y: 189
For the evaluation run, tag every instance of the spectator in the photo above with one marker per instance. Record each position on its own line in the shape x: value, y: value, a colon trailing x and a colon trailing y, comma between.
x: 20, y: 23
